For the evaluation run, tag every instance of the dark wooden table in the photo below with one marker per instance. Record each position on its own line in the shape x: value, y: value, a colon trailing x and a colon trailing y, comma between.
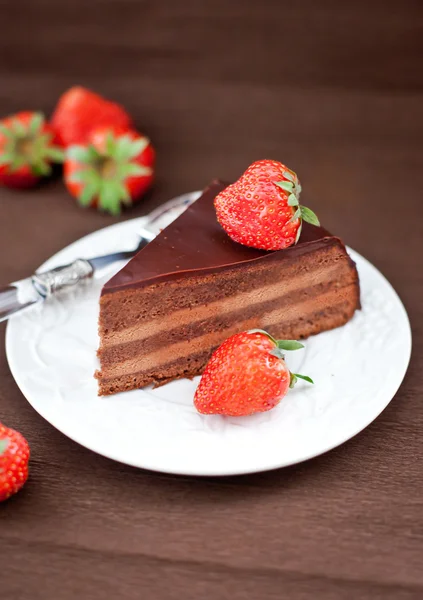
x: 334, y: 89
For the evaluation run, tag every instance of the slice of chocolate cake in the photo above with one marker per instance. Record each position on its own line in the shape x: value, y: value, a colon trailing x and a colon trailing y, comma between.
x: 192, y: 287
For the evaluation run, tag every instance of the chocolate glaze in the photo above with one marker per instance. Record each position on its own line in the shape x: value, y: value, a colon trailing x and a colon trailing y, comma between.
x: 195, y: 242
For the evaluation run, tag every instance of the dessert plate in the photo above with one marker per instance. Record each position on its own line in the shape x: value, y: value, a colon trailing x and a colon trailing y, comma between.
x: 52, y: 355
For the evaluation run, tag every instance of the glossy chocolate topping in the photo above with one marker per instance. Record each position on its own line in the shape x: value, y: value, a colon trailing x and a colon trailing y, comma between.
x: 195, y: 242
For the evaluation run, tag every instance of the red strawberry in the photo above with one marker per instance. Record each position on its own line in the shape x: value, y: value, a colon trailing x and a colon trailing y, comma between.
x: 79, y: 111
x: 114, y: 168
x: 262, y: 208
x: 14, y: 457
x: 247, y: 374
x: 26, y: 149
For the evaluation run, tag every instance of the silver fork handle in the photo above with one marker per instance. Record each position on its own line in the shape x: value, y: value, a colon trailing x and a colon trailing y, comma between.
x: 62, y: 278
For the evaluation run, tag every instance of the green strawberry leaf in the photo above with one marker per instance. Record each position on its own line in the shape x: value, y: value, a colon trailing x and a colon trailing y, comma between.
x: 123, y: 149
x: 19, y: 128
x: 6, y: 158
x: 309, y: 216
x: 36, y: 123
x: 299, y: 230
x: 79, y: 176
x: 296, y: 215
x: 106, y: 198
x: 296, y: 376
x: 41, y: 168
x: 3, y: 445
x: 289, y: 345
x: 109, y: 197
x: 6, y: 131
x: 131, y: 170
x: 110, y: 145
x: 42, y: 141
x: 292, y: 200
x: 93, y: 177
x: 78, y: 154
x: 138, y: 146
x: 55, y: 154
x: 117, y: 188
x: 17, y: 163
x: 124, y: 194
x: 289, y: 175
x: 287, y: 186
x: 305, y: 377
x: 88, y: 193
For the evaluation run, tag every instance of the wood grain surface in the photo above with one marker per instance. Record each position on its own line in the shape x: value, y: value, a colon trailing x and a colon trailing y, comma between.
x: 335, y: 90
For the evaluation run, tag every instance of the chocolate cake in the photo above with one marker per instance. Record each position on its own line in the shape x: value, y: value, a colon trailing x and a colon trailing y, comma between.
x: 192, y: 287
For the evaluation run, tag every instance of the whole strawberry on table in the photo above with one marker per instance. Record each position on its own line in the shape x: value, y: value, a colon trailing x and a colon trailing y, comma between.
x: 14, y: 458
x: 79, y: 111
x: 113, y: 168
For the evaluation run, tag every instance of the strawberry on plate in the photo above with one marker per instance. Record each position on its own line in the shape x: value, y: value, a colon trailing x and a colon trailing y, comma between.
x: 247, y: 374
x: 27, y: 149
x: 114, y: 168
x: 262, y: 208
x: 79, y: 111
x: 14, y: 457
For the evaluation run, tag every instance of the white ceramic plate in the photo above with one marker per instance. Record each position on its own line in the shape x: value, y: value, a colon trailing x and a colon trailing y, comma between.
x: 357, y: 370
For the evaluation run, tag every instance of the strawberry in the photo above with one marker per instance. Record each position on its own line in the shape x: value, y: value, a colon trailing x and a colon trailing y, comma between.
x: 114, y: 168
x: 27, y: 149
x: 247, y: 374
x: 14, y: 457
x: 262, y: 208
x: 79, y: 111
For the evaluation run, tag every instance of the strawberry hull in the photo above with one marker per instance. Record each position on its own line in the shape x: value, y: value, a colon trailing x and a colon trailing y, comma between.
x: 28, y: 147
x: 114, y: 169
